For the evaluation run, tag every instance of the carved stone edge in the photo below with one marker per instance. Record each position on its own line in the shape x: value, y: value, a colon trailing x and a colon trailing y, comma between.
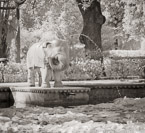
x: 70, y: 89
x: 123, y: 86
x: 5, y: 89
x: 52, y: 90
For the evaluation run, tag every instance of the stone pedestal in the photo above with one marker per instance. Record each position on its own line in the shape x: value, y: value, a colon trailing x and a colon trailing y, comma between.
x: 36, y: 96
x: 6, y: 98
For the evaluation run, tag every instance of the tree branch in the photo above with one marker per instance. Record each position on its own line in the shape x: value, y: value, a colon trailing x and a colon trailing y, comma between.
x: 8, y: 8
x: 34, y: 2
x: 80, y: 5
x: 3, y: 0
x: 19, y: 2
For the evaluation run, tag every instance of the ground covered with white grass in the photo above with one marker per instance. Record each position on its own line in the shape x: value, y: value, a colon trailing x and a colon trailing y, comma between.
x: 124, y: 115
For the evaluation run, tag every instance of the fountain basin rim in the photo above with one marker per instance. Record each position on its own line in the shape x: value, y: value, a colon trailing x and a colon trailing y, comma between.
x: 56, y: 89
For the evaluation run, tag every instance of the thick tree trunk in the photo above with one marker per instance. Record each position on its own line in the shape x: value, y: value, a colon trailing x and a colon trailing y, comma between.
x: 91, y: 33
x: 93, y: 20
x: 4, y: 14
x: 3, y: 44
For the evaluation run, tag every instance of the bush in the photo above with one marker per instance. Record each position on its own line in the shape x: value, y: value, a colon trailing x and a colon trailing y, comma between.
x: 13, y: 72
x: 92, y: 69
x: 124, y: 68
x: 83, y: 70
x: 80, y: 69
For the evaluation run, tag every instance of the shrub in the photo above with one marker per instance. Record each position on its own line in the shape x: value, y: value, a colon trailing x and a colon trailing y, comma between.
x: 13, y: 72
x: 124, y: 68
x: 82, y: 69
x: 85, y: 69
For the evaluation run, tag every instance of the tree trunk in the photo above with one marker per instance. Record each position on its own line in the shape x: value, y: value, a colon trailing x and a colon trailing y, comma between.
x: 17, y: 42
x: 93, y: 20
x: 3, y: 44
x: 4, y: 15
x: 91, y: 33
x: 144, y: 15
